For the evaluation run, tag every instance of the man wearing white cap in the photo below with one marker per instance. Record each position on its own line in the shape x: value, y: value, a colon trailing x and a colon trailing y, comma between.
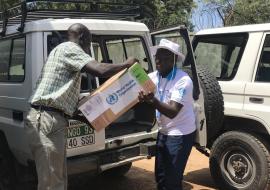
x: 173, y: 102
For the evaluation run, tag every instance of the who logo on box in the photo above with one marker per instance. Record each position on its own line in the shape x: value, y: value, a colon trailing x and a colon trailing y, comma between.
x: 112, y: 99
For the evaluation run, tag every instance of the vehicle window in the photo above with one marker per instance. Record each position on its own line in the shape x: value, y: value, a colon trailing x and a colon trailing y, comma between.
x: 56, y: 38
x: 122, y: 48
x: 135, y: 49
x: 174, y: 37
x: 263, y: 72
x: 221, y: 54
x: 5, y: 47
x: 97, y: 52
x: 116, y: 51
x: 16, y: 70
x: 88, y: 82
x: 12, y: 60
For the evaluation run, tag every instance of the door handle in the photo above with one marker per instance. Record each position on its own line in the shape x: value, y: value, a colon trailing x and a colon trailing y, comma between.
x: 17, y: 115
x: 256, y: 100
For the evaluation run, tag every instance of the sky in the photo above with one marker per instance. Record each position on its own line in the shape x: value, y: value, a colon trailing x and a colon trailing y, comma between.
x: 205, y: 16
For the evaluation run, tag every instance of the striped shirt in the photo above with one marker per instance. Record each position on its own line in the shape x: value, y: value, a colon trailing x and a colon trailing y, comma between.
x: 59, y: 83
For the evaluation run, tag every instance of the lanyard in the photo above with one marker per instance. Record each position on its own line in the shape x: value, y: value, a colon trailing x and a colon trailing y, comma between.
x: 161, y: 93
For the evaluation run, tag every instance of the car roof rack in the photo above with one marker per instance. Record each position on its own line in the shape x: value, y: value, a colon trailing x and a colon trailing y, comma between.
x: 31, y: 10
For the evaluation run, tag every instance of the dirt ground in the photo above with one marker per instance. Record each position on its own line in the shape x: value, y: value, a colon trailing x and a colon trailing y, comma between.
x: 141, y: 177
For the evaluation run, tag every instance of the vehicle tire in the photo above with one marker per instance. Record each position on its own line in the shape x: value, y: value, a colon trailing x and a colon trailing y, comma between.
x: 118, y: 171
x: 240, y: 161
x: 7, y: 170
x: 213, y: 102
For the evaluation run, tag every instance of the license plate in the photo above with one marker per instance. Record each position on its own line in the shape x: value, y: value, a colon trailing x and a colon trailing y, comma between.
x: 79, y: 134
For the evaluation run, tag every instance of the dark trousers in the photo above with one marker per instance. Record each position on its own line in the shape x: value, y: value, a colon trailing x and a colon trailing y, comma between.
x: 171, y: 158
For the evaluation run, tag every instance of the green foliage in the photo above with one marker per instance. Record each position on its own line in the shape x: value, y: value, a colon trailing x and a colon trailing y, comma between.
x: 172, y: 12
x: 155, y: 13
x: 7, y: 3
x: 250, y: 12
x: 238, y: 12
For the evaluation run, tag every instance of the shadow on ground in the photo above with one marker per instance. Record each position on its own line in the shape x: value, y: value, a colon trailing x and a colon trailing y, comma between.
x: 138, y: 179
x: 135, y: 179
x: 200, y: 177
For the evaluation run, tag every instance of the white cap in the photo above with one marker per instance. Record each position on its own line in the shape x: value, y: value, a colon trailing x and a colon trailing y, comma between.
x: 169, y: 45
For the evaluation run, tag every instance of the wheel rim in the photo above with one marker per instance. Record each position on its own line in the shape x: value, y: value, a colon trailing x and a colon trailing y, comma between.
x: 238, y: 168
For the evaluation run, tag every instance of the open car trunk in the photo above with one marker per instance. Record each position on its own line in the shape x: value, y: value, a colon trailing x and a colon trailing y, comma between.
x: 141, y: 118
x: 113, y: 49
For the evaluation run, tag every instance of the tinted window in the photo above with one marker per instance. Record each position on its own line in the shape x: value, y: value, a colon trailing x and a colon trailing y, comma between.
x: 97, y: 52
x: 135, y: 48
x: 120, y: 49
x: 5, y: 47
x: 12, y: 60
x: 88, y: 82
x: 221, y: 54
x: 263, y: 73
x: 16, y: 69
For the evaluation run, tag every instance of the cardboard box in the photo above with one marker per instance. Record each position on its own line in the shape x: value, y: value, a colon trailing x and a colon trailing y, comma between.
x: 116, y: 96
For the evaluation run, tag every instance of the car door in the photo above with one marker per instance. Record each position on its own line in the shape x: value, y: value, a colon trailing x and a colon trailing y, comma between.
x: 257, y: 92
x: 180, y: 35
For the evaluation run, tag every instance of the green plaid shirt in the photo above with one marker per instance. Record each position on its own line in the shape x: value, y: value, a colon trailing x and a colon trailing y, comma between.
x: 59, y: 83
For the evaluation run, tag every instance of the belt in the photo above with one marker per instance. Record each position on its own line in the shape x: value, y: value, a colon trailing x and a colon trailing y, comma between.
x: 45, y: 108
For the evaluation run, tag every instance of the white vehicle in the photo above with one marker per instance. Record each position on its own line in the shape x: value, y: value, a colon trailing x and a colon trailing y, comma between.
x: 240, y: 59
x: 29, y: 31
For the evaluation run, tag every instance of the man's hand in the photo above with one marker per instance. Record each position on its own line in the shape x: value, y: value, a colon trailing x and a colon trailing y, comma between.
x: 130, y: 61
x: 146, y: 97
x: 170, y: 109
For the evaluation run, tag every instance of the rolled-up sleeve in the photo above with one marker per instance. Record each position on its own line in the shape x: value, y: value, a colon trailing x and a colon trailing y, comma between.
x: 76, y: 58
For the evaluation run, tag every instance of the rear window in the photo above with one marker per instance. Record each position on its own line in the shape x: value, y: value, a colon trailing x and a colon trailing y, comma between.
x: 109, y: 49
x: 221, y: 54
x: 263, y: 72
x: 120, y: 48
x: 12, y: 60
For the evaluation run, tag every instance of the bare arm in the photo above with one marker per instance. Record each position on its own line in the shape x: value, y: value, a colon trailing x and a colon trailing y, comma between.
x: 106, y: 69
x: 170, y: 110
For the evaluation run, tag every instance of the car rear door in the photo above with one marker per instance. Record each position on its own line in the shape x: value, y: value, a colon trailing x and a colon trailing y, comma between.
x: 257, y: 92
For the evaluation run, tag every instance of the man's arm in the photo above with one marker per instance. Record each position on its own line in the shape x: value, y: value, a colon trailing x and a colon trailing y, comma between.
x: 107, y: 69
x: 169, y: 110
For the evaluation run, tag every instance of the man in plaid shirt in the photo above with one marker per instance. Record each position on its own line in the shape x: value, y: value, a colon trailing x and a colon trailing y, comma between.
x: 55, y: 98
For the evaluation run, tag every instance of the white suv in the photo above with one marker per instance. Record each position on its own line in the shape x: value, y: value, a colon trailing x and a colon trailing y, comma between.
x: 239, y: 57
x: 27, y: 38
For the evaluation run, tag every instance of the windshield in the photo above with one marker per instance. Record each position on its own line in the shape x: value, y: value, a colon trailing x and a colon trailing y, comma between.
x: 221, y: 54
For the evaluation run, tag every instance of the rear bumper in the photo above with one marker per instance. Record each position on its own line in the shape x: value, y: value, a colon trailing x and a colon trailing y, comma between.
x: 105, y: 160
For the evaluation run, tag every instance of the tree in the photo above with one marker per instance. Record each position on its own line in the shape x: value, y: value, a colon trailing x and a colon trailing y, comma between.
x: 156, y: 13
x: 172, y: 12
x: 250, y: 12
x: 162, y: 13
x: 238, y: 12
x: 7, y: 3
